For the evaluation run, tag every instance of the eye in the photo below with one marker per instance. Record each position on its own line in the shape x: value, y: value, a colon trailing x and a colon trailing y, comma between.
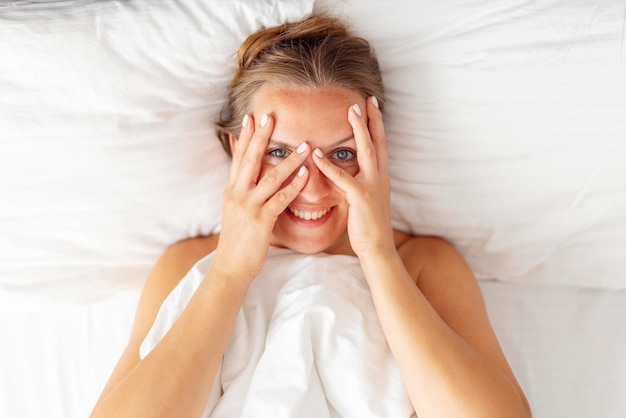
x: 279, y: 153
x: 343, y: 155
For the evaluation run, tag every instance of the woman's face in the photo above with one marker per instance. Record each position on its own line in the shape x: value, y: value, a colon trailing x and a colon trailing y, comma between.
x: 317, y: 219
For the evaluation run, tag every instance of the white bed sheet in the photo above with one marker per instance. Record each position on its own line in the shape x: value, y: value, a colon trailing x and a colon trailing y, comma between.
x: 553, y: 213
x: 307, y: 343
x: 565, y: 344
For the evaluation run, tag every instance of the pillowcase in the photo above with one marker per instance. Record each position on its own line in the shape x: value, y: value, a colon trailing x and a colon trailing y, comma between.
x: 506, y: 131
x: 26, y: 3
x: 108, y: 152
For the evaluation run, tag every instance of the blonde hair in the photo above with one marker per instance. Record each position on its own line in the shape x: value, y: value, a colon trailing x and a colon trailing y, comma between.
x: 316, y: 52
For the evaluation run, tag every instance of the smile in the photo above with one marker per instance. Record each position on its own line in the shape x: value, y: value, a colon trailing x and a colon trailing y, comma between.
x: 308, y: 215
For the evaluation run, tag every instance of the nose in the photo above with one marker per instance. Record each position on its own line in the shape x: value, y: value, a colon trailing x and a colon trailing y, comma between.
x: 318, y: 186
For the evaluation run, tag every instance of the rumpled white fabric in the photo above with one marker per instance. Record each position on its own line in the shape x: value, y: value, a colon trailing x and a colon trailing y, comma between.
x: 307, y: 343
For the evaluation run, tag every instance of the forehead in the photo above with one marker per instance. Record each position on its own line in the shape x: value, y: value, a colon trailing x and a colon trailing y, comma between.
x: 317, y: 115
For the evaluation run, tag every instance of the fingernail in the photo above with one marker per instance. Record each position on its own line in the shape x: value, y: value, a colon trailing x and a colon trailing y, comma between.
x: 244, y: 122
x: 303, y: 146
x: 375, y: 102
x: 301, y: 171
x: 357, y: 109
x: 264, y: 120
x: 318, y: 153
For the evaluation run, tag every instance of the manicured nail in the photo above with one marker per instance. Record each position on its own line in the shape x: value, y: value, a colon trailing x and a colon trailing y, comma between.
x: 318, y: 153
x: 264, y: 120
x: 303, y: 146
x: 245, y: 120
x: 301, y: 171
x: 375, y: 102
x: 357, y: 109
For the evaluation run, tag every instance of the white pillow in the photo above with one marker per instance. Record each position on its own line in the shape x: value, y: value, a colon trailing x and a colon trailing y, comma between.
x: 108, y: 152
x: 507, y: 133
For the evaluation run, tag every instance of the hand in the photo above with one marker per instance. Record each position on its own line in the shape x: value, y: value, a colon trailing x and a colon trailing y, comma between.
x: 252, y: 205
x: 367, y: 193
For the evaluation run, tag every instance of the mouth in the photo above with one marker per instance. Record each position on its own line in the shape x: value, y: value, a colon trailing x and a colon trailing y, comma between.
x: 307, y: 215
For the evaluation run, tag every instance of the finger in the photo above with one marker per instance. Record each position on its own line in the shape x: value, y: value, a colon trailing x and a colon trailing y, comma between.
x: 365, y: 152
x: 250, y: 164
x: 283, y: 197
x: 377, y: 132
x: 336, y: 174
x: 278, y: 175
x: 240, y: 145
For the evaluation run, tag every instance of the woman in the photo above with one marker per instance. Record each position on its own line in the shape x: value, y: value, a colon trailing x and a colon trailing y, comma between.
x: 309, y: 173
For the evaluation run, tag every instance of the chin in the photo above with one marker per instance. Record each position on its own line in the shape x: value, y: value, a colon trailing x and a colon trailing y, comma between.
x: 305, y: 246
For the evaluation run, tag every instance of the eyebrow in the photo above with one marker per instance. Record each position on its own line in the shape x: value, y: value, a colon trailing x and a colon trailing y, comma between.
x: 341, y: 141
x: 281, y: 144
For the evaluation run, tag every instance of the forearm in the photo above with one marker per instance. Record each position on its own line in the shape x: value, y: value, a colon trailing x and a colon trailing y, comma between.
x: 176, y: 377
x: 445, y: 376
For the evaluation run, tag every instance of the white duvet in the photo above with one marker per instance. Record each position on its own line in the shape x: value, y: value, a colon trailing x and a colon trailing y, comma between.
x: 307, y: 343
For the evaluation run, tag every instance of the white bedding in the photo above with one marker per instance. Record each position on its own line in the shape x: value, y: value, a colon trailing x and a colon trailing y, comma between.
x: 306, y: 343
x: 565, y: 344
x: 506, y: 125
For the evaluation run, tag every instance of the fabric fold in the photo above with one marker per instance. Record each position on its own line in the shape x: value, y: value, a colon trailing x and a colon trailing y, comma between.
x: 307, y: 343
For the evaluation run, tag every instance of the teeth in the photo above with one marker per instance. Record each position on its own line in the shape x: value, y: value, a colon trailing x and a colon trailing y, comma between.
x: 308, y: 216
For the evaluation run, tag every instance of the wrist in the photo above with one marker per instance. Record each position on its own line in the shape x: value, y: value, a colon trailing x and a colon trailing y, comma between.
x: 383, y: 269
x: 380, y: 244
x: 234, y: 277
x: 378, y: 254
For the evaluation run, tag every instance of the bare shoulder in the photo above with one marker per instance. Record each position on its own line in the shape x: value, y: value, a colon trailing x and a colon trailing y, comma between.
x: 448, y: 283
x: 445, y: 279
x: 169, y: 270
x: 424, y: 256
x: 182, y: 255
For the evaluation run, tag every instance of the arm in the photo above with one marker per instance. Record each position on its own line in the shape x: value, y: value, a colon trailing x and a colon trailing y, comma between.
x: 440, y: 334
x: 432, y: 312
x: 176, y: 377
x: 159, y: 385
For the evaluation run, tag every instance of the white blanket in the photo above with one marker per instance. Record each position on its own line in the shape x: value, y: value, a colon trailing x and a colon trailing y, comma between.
x: 307, y: 343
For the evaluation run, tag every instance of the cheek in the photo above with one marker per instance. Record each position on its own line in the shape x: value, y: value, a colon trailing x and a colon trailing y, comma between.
x: 353, y: 170
x: 352, y: 167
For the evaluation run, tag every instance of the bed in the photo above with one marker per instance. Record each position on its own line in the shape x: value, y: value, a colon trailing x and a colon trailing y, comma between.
x: 506, y: 123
